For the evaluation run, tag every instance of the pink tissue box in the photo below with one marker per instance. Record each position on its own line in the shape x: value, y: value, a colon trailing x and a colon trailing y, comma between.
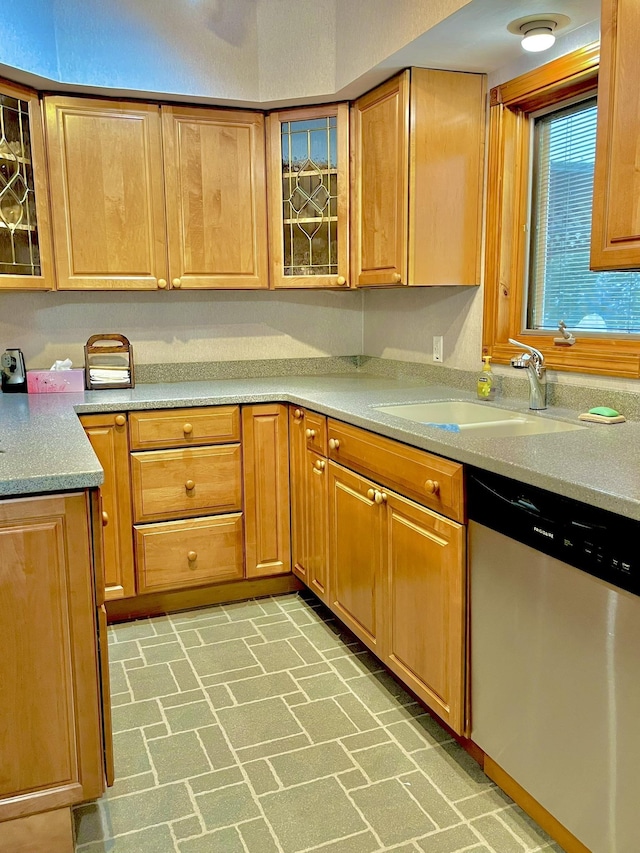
x: 48, y: 381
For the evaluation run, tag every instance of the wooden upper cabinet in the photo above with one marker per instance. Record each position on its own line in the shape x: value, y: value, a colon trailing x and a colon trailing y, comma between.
x: 215, y: 197
x: 25, y: 242
x: 308, y: 155
x: 418, y: 151
x: 380, y: 131
x: 615, y: 237
x: 105, y: 162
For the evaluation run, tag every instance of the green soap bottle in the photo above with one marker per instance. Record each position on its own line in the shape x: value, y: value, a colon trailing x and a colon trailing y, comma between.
x: 486, y: 381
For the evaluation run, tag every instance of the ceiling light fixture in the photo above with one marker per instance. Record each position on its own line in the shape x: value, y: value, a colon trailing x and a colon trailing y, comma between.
x: 538, y: 35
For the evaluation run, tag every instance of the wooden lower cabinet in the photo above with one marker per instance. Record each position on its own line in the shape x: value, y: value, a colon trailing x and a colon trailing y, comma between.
x: 51, y: 742
x: 309, y: 504
x: 108, y: 436
x: 356, y: 549
x: 178, y: 554
x: 424, y: 604
x: 265, y: 445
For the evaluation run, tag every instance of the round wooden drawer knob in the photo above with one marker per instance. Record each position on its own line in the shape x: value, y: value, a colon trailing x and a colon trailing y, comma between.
x: 105, y: 519
x: 320, y: 464
x: 310, y: 433
x: 190, y: 485
x: 297, y: 414
x: 192, y: 556
x: 120, y: 420
x: 341, y: 280
x: 380, y: 497
x: 176, y: 282
x: 371, y: 494
x: 162, y: 283
x: 187, y: 429
x: 397, y: 278
x: 432, y: 487
x: 334, y: 443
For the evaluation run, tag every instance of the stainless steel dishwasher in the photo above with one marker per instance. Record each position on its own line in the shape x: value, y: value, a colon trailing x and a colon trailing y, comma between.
x: 555, y: 654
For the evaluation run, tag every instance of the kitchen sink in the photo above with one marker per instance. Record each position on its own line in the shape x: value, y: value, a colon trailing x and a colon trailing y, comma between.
x: 477, y: 418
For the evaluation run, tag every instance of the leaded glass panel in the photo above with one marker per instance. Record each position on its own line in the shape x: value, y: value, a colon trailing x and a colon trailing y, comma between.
x: 309, y: 194
x: 19, y: 252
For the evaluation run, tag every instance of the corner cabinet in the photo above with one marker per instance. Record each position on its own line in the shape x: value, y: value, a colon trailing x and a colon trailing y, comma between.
x: 418, y: 156
x: 51, y: 738
x: 615, y: 236
x: 308, y: 151
x: 25, y: 243
x: 108, y: 435
x: 149, y: 197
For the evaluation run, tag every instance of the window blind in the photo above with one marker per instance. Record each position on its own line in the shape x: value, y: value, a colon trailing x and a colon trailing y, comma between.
x: 561, y: 286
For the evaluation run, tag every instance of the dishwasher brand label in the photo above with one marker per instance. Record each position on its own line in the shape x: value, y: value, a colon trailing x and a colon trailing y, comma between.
x: 542, y: 532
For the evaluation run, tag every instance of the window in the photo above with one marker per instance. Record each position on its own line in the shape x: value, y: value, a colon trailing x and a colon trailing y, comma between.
x: 540, y: 187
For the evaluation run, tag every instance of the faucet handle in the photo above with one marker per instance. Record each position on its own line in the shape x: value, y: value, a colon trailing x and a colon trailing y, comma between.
x: 538, y: 356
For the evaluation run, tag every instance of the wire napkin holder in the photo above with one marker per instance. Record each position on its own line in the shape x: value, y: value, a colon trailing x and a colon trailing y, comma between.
x: 108, y: 361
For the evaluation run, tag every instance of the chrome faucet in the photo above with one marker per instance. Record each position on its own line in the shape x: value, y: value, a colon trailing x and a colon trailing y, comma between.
x: 533, y: 359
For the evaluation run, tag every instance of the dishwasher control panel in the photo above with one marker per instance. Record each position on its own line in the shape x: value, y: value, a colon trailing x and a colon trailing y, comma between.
x: 597, y: 541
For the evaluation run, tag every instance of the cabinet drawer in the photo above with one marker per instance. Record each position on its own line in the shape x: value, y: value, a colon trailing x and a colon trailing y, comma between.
x: 316, y: 432
x: 183, y: 483
x: 179, y: 554
x: 430, y: 480
x: 184, y: 427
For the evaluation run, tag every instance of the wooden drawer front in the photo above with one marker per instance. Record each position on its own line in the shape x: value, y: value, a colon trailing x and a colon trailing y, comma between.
x: 316, y: 432
x: 184, y: 427
x: 184, y: 483
x: 180, y: 554
x: 431, y: 480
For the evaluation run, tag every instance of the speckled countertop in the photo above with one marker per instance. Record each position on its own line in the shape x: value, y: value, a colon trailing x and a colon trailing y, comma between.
x: 44, y: 448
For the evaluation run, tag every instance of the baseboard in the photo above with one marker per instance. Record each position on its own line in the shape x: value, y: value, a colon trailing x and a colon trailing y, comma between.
x: 532, y: 807
x: 50, y: 831
x: 157, y: 603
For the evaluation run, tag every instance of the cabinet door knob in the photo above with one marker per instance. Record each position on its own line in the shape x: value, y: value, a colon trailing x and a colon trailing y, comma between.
x: 341, y: 280
x: 297, y: 414
x: 105, y: 518
x: 162, y: 283
x: 192, y: 556
x: 380, y: 497
x: 371, y: 494
x: 320, y: 464
x: 310, y: 433
x: 176, y: 282
x: 432, y: 487
x: 190, y: 485
x: 334, y: 443
x: 187, y: 429
x: 396, y: 277
x: 120, y: 420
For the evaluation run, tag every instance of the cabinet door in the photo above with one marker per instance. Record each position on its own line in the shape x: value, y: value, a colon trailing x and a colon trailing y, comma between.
x: 50, y: 737
x: 108, y: 436
x: 309, y: 196
x: 309, y: 500
x: 25, y: 242
x: 615, y: 236
x: 425, y: 603
x: 105, y: 164
x: 356, y: 532
x: 216, y: 198
x: 380, y: 130
x: 265, y: 448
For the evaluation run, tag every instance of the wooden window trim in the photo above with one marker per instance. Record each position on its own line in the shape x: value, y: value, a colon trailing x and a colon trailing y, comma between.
x: 507, y: 210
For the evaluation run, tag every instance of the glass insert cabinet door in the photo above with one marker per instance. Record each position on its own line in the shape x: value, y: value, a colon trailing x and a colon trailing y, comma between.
x: 24, y: 225
x: 308, y: 188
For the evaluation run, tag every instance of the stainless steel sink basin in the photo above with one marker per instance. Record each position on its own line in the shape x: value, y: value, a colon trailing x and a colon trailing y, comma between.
x: 477, y: 418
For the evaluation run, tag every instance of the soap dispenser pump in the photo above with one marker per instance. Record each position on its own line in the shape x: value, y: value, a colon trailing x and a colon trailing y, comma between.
x: 486, y: 387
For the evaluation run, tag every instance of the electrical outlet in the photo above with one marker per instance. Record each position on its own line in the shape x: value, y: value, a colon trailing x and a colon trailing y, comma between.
x: 438, y: 348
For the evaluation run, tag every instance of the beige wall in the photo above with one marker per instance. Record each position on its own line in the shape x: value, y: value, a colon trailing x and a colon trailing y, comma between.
x: 183, y: 327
